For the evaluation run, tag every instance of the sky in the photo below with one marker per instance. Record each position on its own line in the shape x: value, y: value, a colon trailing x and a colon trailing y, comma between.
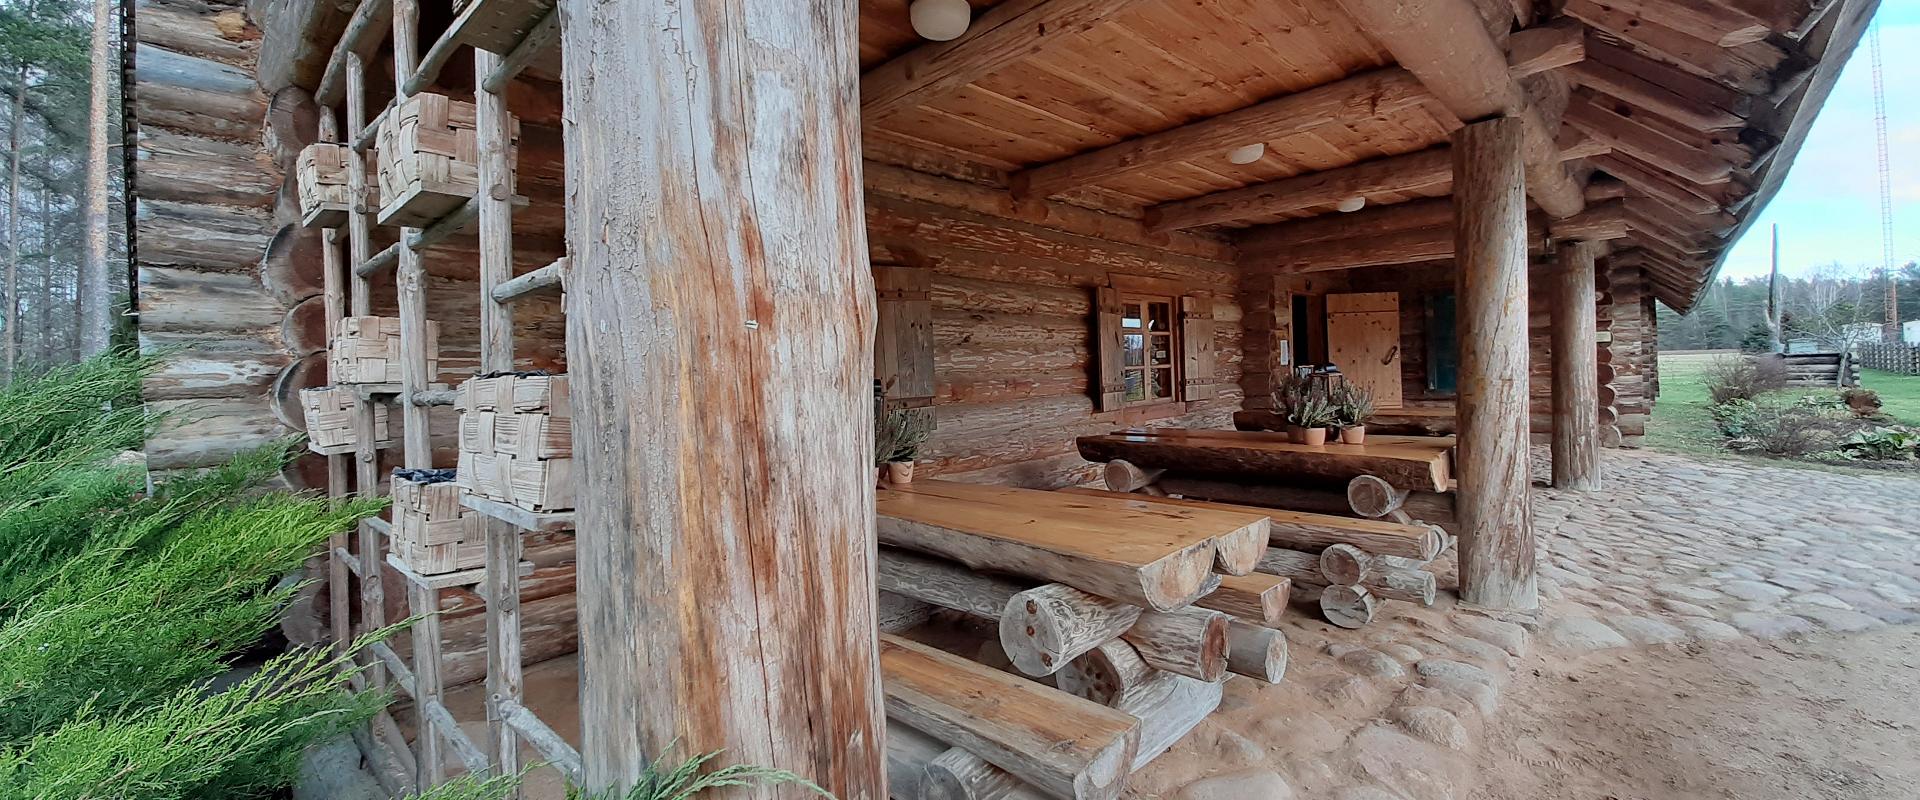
x: 1829, y: 207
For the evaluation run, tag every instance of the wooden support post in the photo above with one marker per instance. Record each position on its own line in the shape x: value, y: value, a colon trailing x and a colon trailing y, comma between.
x: 1490, y: 204
x: 424, y: 600
x: 366, y: 455
x: 495, y: 208
x: 1576, y: 377
x: 720, y: 334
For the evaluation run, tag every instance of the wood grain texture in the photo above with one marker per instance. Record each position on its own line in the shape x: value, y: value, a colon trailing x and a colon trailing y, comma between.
x: 1105, y: 673
x: 1065, y: 745
x: 720, y: 327
x: 1256, y: 597
x: 1256, y: 651
x: 1496, y: 536
x: 1169, y: 707
x: 1576, y: 378
x: 1415, y: 465
x: 1305, y: 530
x: 1154, y: 568
x: 1189, y: 641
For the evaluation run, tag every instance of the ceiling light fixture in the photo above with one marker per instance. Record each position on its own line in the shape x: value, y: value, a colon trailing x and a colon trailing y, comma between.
x: 1247, y: 154
x: 940, y: 20
x: 1352, y: 204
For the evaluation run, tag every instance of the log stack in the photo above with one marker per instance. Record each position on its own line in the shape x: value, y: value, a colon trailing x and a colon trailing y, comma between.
x: 328, y: 411
x: 367, y: 351
x: 1155, y: 661
x: 1350, y: 564
x: 432, y: 532
x: 428, y: 159
x: 516, y: 440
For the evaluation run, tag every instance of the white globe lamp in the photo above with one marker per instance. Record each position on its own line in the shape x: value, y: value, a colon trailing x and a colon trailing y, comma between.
x: 940, y: 20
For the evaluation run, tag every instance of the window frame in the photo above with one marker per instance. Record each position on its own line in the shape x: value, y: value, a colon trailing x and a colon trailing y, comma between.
x: 1175, y: 365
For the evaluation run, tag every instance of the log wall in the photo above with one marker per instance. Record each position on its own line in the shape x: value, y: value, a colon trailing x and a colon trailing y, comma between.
x: 1013, y: 321
x: 205, y: 194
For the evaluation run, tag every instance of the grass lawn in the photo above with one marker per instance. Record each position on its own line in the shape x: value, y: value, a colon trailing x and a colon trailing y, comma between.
x: 1680, y: 423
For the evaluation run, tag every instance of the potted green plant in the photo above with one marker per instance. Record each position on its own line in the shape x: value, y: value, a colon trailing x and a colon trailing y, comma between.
x: 1353, y: 406
x: 1292, y: 390
x: 897, y: 438
x: 1307, y: 421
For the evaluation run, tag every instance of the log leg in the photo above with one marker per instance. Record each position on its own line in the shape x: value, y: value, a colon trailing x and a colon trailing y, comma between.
x: 1576, y: 376
x: 720, y: 348
x: 1490, y: 229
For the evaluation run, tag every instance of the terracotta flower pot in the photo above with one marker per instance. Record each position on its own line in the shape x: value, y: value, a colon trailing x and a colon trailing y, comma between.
x: 1354, y: 435
x: 1296, y: 434
x: 900, y: 473
x: 1313, y: 436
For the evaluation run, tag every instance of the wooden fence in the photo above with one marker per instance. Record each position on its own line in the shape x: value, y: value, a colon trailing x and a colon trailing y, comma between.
x: 1901, y: 358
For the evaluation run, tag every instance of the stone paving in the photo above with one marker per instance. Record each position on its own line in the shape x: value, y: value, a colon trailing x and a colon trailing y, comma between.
x: 1674, y: 551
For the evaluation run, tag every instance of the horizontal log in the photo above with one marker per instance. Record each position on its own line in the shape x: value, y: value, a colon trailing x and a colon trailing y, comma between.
x: 1402, y: 173
x: 1189, y: 641
x: 1347, y: 606
x: 1257, y: 597
x: 197, y: 169
x: 1256, y: 651
x: 1251, y: 455
x: 1064, y: 745
x: 1106, y: 673
x: 960, y: 775
x: 1430, y: 507
x: 1314, y: 532
x: 1169, y: 707
x: 174, y: 234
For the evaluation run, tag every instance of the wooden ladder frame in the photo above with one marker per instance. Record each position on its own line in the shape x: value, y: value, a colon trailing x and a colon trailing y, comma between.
x: 509, y: 720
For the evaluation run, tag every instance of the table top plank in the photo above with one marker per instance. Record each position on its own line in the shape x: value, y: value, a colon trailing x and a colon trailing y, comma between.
x: 1421, y: 463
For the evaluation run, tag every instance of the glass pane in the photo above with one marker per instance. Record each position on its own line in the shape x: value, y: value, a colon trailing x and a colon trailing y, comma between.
x: 1161, y: 351
x: 1130, y: 315
x: 1163, y: 382
x: 1136, y: 385
x: 1159, y: 317
x: 1134, y: 346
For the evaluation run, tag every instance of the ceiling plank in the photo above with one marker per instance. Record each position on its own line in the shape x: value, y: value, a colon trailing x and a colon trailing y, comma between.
x: 1410, y: 172
x: 1371, y: 94
x: 1745, y: 67
x: 1680, y: 96
x: 1006, y: 33
x: 1442, y: 43
x: 1702, y: 20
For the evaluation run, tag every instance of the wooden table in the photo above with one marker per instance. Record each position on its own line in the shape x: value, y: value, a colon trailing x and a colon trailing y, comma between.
x: 1148, y: 554
x: 1413, y: 463
x: 1421, y: 420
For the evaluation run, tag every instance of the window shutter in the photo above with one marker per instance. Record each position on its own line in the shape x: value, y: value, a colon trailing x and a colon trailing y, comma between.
x: 1110, y: 387
x: 1196, y: 346
x: 903, y: 340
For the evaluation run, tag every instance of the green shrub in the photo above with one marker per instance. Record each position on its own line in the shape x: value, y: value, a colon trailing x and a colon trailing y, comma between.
x: 1889, y: 443
x: 117, y: 607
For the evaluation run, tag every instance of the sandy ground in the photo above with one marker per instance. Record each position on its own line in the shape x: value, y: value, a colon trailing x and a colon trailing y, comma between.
x: 1833, y: 716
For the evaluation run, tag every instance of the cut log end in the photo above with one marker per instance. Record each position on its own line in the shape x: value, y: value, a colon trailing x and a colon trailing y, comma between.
x: 1043, y: 628
x: 1257, y: 652
x: 1345, y: 564
x: 1373, y: 497
x: 1123, y: 476
x: 1179, y: 579
x: 1347, y: 606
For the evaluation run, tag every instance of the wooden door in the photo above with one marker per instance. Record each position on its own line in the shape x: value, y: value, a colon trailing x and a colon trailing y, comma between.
x: 1363, y: 339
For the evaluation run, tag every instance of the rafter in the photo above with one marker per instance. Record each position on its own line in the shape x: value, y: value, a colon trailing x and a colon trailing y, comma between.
x: 1677, y: 94
x: 1004, y: 34
x: 1628, y: 133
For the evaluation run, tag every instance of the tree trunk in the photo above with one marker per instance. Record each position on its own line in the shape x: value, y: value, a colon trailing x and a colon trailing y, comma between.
x: 14, y: 338
x: 720, y: 332
x: 97, y: 295
x: 1490, y: 204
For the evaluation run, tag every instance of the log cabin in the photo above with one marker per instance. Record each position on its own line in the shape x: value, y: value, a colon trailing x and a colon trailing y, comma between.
x: 726, y: 224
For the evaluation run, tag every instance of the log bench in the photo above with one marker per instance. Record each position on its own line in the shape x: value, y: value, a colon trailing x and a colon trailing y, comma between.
x: 1151, y: 556
x: 1411, y: 463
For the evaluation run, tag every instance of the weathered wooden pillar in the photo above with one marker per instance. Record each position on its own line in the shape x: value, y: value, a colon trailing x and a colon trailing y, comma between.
x: 720, y: 323
x: 1576, y: 375
x: 1490, y: 230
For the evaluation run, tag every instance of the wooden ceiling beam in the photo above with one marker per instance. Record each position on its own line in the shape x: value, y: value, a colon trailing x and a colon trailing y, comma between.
x: 1574, y: 145
x: 1383, y: 219
x: 1597, y: 223
x: 1444, y: 43
x: 1630, y: 135
x: 1003, y: 35
x: 1372, y: 94
x: 1779, y: 16
x: 1403, y: 173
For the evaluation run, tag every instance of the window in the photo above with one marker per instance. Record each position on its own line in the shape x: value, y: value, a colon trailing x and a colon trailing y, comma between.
x: 1149, y: 346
